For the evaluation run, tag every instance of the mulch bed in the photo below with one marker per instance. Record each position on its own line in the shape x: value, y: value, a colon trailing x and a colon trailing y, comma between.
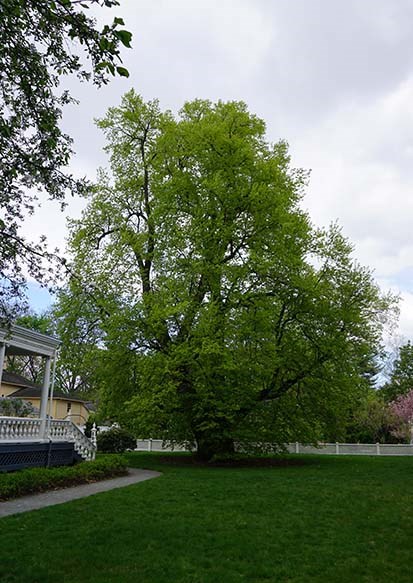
x: 247, y: 462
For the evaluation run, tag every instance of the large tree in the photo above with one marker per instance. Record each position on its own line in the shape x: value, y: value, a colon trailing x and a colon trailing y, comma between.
x: 225, y: 315
x: 39, y: 43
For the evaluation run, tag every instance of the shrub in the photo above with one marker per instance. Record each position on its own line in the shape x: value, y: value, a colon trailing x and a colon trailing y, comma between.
x: 115, y: 440
x: 93, y: 418
x: 15, y: 407
x: 88, y: 428
x: 34, y: 480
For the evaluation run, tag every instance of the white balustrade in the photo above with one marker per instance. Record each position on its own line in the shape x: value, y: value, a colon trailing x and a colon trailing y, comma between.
x: 19, y: 428
x: 27, y: 429
x: 63, y: 430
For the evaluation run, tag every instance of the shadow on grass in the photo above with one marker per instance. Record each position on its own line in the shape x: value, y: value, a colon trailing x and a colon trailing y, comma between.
x: 279, y: 461
x: 160, y: 460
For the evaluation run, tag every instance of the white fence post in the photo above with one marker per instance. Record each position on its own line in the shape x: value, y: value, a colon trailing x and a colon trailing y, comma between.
x: 150, y: 444
x: 297, y: 447
x: 378, y: 448
x: 337, y: 448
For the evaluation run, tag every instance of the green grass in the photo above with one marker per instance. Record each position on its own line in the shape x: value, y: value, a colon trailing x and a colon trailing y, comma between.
x: 334, y: 519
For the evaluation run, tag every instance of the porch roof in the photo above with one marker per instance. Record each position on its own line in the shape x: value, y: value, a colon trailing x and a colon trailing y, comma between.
x: 22, y: 341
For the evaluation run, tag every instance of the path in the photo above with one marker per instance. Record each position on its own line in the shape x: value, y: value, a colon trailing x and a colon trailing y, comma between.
x: 35, y: 501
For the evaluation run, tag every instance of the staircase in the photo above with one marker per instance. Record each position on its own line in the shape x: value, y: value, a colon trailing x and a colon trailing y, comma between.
x: 63, y: 430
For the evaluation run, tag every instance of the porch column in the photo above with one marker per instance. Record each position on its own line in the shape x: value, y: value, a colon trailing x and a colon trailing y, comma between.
x: 44, y: 397
x: 2, y: 355
x: 49, y: 421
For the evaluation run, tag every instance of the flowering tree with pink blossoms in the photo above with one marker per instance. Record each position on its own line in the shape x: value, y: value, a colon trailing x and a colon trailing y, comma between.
x: 402, y: 408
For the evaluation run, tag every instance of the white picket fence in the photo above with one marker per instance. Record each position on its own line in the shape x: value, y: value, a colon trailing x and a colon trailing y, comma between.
x: 353, y: 448
x: 156, y: 445
x: 324, y: 448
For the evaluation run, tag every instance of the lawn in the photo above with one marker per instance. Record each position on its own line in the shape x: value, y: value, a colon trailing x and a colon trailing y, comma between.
x: 332, y: 519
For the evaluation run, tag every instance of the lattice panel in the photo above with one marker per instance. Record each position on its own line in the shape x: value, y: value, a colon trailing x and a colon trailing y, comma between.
x: 18, y: 457
x: 23, y: 458
x: 61, y: 457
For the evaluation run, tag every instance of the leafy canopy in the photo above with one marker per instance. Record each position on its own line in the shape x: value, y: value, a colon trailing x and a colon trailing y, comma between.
x: 226, y: 315
x: 372, y: 420
x: 39, y: 43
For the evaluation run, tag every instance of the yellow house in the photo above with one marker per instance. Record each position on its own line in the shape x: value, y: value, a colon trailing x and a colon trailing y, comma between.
x: 62, y: 407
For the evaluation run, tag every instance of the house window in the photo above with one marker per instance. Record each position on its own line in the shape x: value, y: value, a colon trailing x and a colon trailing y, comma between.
x: 69, y: 407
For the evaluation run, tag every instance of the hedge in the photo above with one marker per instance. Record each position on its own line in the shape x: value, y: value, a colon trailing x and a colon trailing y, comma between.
x: 116, y: 440
x: 33, y: 480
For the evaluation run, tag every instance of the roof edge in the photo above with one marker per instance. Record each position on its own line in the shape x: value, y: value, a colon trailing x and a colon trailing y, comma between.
x: 29, y: 340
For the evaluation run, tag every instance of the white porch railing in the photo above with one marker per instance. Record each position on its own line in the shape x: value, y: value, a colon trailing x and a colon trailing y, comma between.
x: 64, y: 430
x: 19, y: 428
x: 15, y: 429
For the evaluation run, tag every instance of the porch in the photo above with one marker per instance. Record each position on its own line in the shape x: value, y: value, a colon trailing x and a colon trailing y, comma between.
x: 24, y: 441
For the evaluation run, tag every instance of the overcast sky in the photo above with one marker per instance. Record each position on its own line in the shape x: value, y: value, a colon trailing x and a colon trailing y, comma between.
x: 333, y: 78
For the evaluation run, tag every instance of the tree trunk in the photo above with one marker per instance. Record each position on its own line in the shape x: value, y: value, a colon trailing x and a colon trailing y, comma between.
x: 208, y: 446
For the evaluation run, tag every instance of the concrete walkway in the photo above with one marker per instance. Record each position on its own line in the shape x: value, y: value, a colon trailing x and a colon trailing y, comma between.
x: 53, y: 497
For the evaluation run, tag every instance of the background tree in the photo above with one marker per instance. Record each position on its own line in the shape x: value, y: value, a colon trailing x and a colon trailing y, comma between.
x: 372, y: 420
x: 402, y: 410
x: 401, y: 376
x: 39, y: 43
x: 31, y: 367
x: 225, y: 315
x: 76, y: 364
x: 77, y: 370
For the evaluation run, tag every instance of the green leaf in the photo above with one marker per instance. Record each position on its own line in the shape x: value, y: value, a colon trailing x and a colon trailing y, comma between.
x: 122, y: 71
x: 124, y: 36
x: 103, y: 43
x: 102, y: 65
